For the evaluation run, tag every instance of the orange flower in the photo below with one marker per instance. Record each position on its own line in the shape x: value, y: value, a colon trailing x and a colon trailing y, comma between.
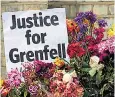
x: 86, y: 22
x: 80, y: 90
x: 5, y: 92
x: 72, y: 26
x: 59, y: 62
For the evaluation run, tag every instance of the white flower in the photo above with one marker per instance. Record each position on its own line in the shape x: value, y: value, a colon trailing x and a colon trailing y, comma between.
x: 73, y: 74
x: 94, y: 60
x: 94, y: 64
x: 100, y: 67
x: 67, y: 78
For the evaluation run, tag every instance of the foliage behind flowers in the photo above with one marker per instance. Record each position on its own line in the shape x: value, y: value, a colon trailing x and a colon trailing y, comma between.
x: 89, y: 73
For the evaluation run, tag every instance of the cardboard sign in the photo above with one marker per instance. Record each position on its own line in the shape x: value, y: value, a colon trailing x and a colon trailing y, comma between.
x: 34, y: 35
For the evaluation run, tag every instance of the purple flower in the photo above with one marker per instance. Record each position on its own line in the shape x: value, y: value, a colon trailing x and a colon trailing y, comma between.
x: 83, y: 28
x: 79, y: 36
x: 79, y: 18
x: 90, y: 16
x: 33, y: 89
x: 102, y: 23
x: 42, y: 69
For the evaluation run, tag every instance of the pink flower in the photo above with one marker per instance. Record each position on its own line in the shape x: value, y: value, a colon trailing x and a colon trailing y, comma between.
x: 106, y: 45
x: 14, y: 78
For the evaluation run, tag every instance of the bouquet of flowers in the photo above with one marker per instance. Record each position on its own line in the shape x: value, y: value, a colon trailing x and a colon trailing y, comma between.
x: 90, y: 72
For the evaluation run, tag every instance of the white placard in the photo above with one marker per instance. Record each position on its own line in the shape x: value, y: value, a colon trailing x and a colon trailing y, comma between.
x: 34, y: 34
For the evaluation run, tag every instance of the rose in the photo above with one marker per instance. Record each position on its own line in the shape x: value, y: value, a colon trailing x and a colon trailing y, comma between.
x: 68, y: 77
x: 95, y: 66
x: 94, y: 60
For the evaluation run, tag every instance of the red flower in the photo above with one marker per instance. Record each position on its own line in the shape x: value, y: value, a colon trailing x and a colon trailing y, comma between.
x: 80, y: 52
x: 99, y: 38
x: 89, y: 40
x: 93, y: 49
x: 98, y: 30
x: 74, y: 49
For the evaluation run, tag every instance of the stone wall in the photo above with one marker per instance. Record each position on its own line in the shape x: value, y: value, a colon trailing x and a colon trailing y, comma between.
x: 103, y: 8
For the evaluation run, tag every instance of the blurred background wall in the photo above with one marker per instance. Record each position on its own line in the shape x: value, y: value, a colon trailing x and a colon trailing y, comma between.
x: 103, y: 9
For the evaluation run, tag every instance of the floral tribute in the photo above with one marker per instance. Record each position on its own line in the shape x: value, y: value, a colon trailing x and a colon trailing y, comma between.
x: 90, y: 72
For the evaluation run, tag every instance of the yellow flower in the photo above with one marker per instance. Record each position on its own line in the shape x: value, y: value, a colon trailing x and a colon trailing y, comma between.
x: 113, y: 27
x: 111, y: 31
x: 59, y: 62
x: 86, y: 22
x: 1, y: 83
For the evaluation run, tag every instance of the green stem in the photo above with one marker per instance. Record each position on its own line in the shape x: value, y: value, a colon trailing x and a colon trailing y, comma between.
x: 90, y: 30
x: 84, y: 87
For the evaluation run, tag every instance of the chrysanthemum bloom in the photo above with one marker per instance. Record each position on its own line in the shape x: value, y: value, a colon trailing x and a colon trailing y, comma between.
x: 59, y: 62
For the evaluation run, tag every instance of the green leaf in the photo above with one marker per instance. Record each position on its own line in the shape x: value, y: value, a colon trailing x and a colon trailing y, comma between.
x: 86, y: 69
x: 25, y: 93
x: 92, y: 72
x: 71, y: 71
x: 86, y: 94
x: 85, y: 65
x: 98, y: 77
